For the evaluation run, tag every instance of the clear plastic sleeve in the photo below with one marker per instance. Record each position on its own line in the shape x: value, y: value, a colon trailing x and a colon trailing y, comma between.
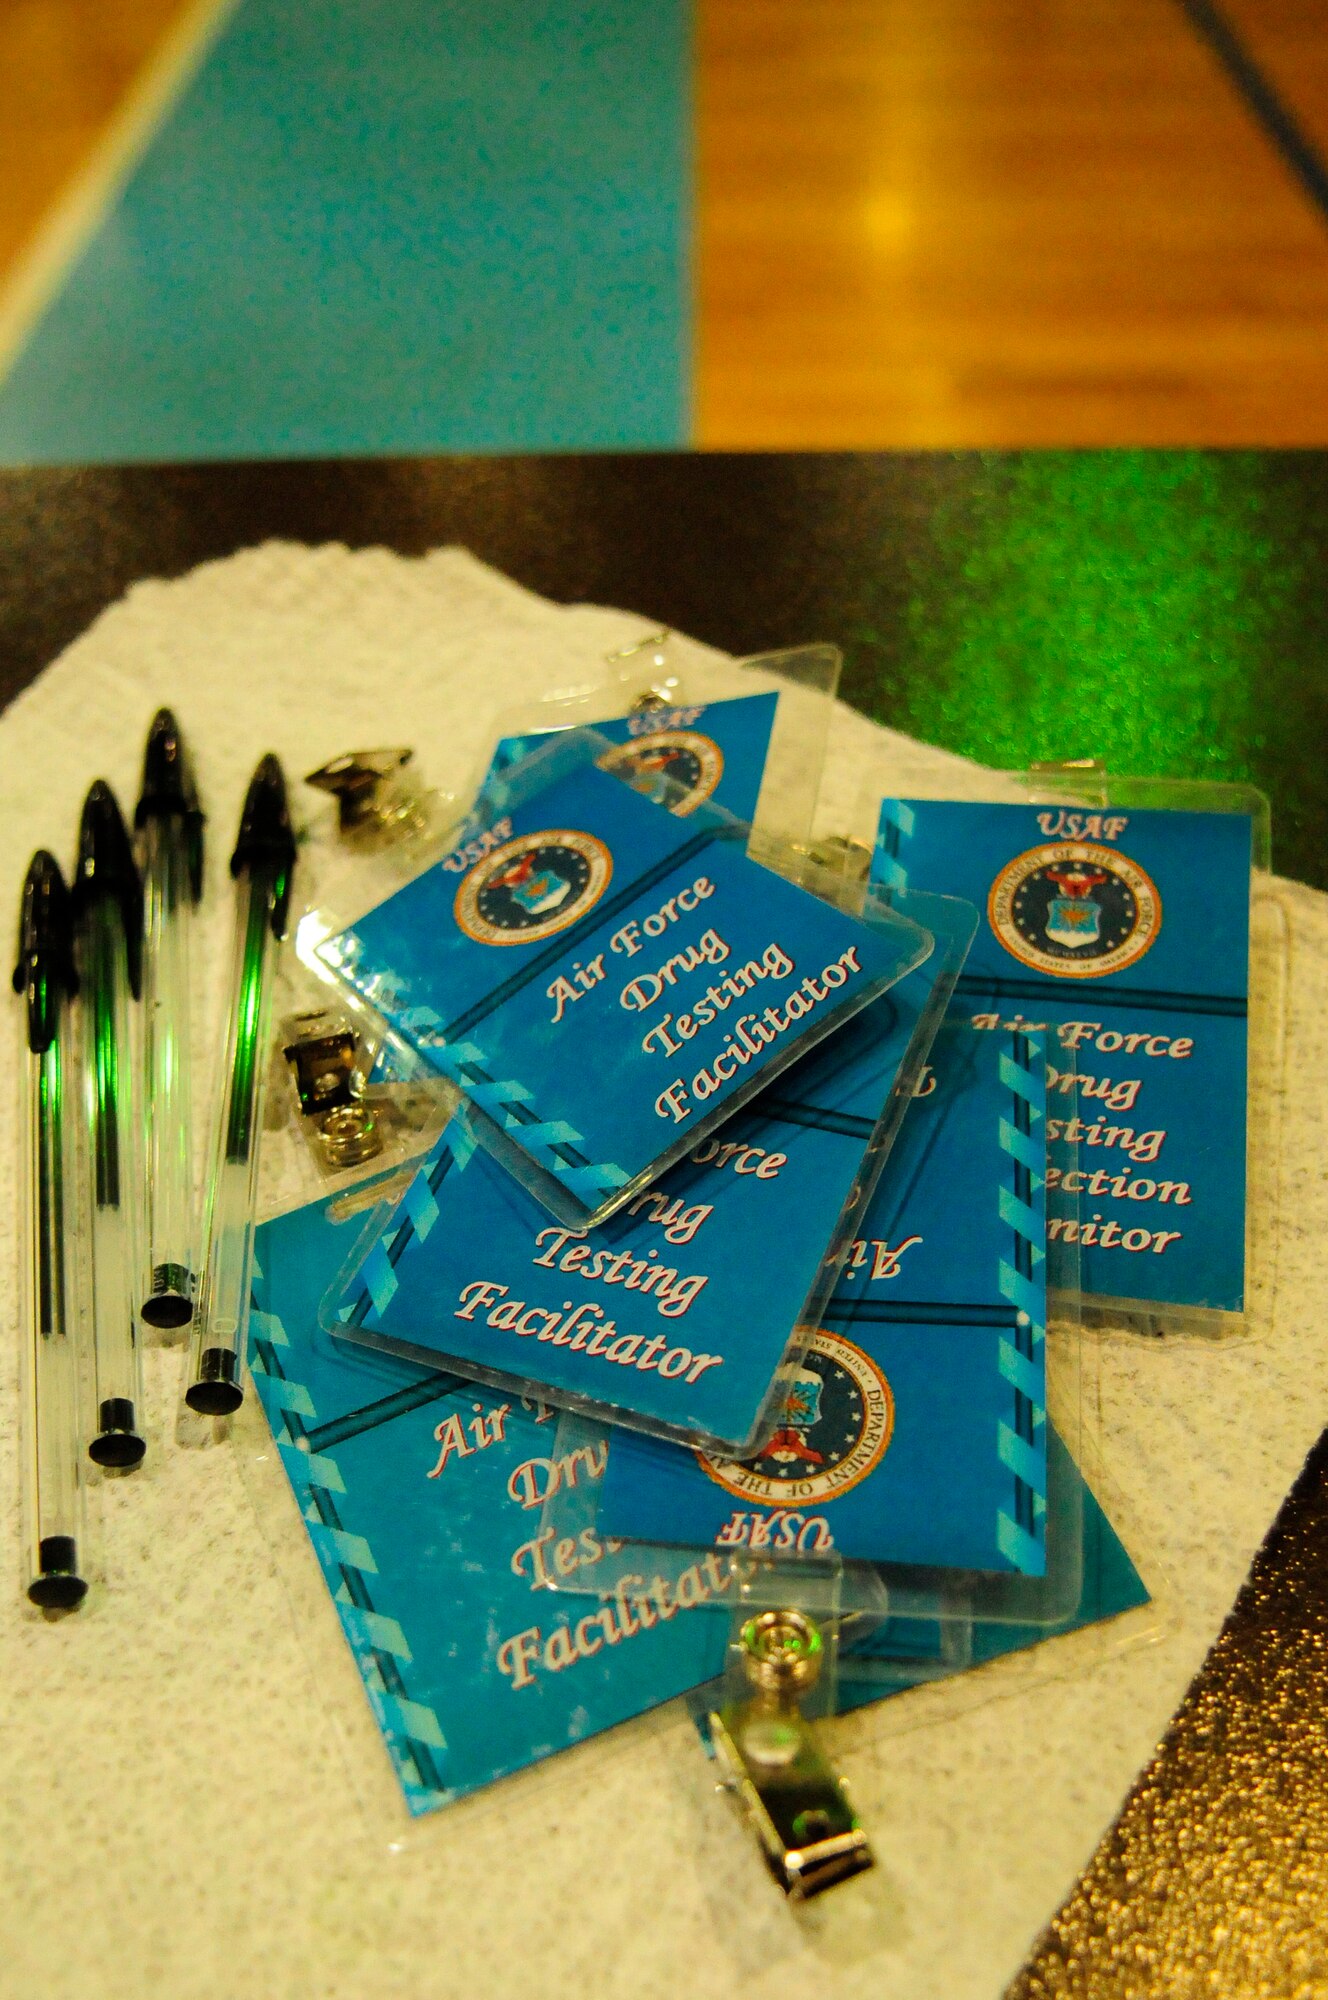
x: 1047, y: 1427
x: 663, y: 695
x: 1082, y: 805
x: 527, y: 1127
x: 404, y: 1287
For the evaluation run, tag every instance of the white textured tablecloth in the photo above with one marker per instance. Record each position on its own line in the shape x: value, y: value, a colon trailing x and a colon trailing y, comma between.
x: 182, y: 1771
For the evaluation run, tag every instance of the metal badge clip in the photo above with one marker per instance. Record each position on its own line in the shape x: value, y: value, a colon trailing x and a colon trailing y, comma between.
x: 322, y: 1059
x: 780, y: 1778
x: 377, y: 800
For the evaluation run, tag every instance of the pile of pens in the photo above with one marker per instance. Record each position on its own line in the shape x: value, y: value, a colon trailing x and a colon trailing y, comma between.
x: 113, y: 1236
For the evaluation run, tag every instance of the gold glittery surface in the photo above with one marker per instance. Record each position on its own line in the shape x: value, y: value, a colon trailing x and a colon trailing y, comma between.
x: 1214, y: 1880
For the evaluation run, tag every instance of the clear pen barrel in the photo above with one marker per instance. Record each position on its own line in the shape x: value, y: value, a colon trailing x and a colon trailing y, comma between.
x: 118, y: 1440
x: 168, y: 915
x: 216, y: 1353
x: 53, y: 1527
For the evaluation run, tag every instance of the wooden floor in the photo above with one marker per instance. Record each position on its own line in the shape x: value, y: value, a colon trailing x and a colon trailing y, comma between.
x: 919, y: 222
x: 66, y: 67
x: 999, y: 222
x: 1289, y: 41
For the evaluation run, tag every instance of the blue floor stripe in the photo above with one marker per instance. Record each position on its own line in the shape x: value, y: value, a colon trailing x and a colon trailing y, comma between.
x: 1268, y: 106
x: 388, y: 226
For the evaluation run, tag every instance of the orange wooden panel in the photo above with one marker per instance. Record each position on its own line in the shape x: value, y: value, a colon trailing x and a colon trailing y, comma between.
x: 65, y: 66
x: 993, y: 222
x: 1288, y: 39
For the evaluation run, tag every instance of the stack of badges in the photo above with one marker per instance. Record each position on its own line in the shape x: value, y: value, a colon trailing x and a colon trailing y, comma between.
x: 744, y: 1260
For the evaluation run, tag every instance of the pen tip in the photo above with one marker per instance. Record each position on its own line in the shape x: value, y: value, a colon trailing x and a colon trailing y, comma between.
x: 106, y: 867
x: 45, y: 965
x: 169, y: 790
x: 266, y: 838
x: 103, y: 839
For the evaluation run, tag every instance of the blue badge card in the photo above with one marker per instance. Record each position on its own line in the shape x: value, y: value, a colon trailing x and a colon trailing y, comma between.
x: 680, y: 756
x: 675, y: 1314
x: 415, y: 1488
x: 1125, y: 934
x: 605, y: 981
x: 420, y: 1495
x: 913, y: 1430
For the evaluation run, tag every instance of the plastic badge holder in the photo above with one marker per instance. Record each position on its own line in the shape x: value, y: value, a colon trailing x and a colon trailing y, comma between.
x: 567, y: 1090
x: 752, y: 731
x: 1081, y: 803
x: 653, y: 707
x: 797, y: 1164
x: 901, y: 1628
x: 761, y: 752
x: 388, y: 1572
x: 440, y: 1669
x: 929, y: 1611
x: 922, y: 1601
x: 910, y: 1424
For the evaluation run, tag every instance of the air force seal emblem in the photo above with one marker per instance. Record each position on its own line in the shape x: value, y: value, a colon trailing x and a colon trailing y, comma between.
x: 836, y: 1421
x: 669, y: 758
x: 532, y: 887
x: 1074, y: 909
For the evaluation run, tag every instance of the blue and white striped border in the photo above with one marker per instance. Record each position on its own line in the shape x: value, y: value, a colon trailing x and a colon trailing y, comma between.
x: 411, y: 1729
x: 896, y: 824
x: 1022, y: 1280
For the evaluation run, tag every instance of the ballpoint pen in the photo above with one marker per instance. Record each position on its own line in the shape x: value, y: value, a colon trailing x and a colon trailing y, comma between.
x: 54, y: 1575
x: 262, y: 864
x: 170, y: 828
x: 108, y: 936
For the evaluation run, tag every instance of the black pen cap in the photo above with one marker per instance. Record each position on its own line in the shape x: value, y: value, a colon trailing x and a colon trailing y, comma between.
x: 169, y: 790
x: 45, y: 968
x: 266, y: 841
x: 106, y: 867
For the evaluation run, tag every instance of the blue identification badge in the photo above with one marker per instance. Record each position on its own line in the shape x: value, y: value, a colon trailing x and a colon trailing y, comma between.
x: 413, y: 1486
x: 712, y: 750
x: 605, y: 981
x: 1126, y: 935
x: 913, y: 1429
x: 473, y: 1669
x: 679, y: 756
x: 675, y: 1314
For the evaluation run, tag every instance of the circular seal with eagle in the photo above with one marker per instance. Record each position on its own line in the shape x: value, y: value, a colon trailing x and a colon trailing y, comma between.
x: 532, y: 887
x: 1074, y: 909
x: 836, y: 1422
x: 667, y: 758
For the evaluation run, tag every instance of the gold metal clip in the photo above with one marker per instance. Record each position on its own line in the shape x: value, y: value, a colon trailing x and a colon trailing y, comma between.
x: 377, y: 800
x: 779, y: 1776
x: 323, y: 1056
